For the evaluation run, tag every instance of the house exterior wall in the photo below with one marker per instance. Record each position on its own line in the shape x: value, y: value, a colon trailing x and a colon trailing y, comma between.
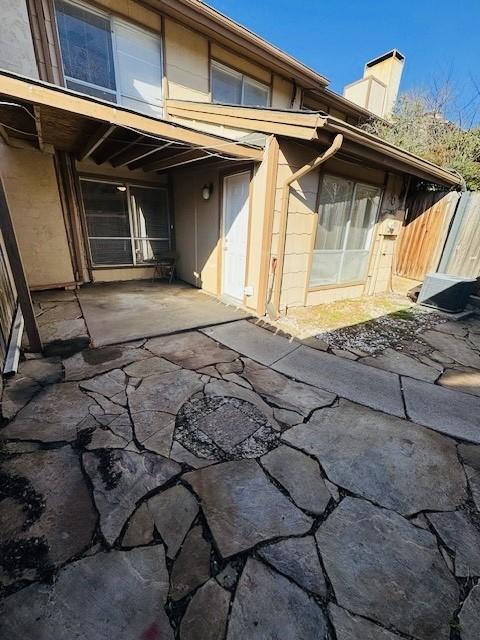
x: 16, y: 43
x: 32, y: 191
x: 302, y: 222
x: 197, y: 228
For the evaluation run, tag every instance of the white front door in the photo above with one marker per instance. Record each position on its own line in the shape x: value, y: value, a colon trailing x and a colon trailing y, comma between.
x: 235, y: 231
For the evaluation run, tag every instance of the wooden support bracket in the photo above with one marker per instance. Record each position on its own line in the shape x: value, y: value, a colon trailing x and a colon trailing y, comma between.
x: 15, y: 259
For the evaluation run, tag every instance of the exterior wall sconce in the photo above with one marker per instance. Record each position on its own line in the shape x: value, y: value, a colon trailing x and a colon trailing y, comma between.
x: 121, y: 187
x: 207, y: 191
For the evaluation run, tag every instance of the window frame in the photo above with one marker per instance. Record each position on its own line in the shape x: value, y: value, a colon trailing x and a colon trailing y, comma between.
x: 131, y: 214
x: 239, y: 74
x: 112, y: 20
x: 369, y: 243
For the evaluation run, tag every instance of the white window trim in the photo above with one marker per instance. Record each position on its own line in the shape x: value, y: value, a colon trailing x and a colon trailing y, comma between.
x: 112, y: 21
x: 131, y: 214
x: 242, y: 76
x: 343, y: 250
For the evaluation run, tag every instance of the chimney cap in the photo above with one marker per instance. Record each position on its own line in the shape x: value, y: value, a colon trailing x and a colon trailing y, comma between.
x: 393, y: 53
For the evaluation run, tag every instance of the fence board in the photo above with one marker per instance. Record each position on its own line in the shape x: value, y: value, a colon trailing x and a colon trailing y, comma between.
x: 424, y: 233
x: 463, y: 251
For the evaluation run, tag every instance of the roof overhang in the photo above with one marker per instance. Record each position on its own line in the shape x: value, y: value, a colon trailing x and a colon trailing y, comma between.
x: 53, y: 116
x: 315, y: 127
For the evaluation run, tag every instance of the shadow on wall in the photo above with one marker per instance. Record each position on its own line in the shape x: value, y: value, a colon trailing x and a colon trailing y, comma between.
x: 197, y: 227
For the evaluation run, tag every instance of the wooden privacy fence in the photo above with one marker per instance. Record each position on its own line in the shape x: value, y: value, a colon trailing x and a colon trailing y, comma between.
x: 424, y: 232
x: 461, y: 255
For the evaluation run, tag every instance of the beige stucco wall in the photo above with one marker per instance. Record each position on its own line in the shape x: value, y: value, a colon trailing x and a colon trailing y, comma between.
x: 198, y: 229
x: 302, y: 221
x: 120, y: 275
x: 16, y: 44
x: 32, y: 192
x: 197, y: 223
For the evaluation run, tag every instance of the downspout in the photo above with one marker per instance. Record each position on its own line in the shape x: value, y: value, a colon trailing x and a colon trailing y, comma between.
x: 311, y: 166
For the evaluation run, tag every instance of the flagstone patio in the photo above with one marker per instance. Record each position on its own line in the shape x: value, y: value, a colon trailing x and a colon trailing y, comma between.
x: 231, y: 484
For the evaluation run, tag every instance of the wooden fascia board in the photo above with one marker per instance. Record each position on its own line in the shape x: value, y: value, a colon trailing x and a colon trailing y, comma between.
x: 246, y: 123
x: 37, y: 93
x: 403, y: 161
x: 221, y: 29
x: 264, y: 115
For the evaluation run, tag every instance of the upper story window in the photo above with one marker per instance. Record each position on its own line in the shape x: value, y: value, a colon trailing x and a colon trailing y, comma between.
x: 232, y: 87
x: 110, y: 59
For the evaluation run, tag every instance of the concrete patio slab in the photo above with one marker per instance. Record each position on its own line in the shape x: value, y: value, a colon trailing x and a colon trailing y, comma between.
x: 349, y: 379
x: 120, y: 312
x: 256, y: 343
x: 451, y: 412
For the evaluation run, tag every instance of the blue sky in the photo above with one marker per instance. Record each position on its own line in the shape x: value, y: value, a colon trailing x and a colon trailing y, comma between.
x: 440, y: 38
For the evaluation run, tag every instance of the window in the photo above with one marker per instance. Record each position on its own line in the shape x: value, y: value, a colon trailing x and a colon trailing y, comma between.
x: 232, y: 87
x: 346, y: 217
x: 126, y: 224
x: 110, y: 59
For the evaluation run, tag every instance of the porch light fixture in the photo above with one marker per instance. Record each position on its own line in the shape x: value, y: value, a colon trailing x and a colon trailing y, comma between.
x: 121, y: 187
x: 207, y: 191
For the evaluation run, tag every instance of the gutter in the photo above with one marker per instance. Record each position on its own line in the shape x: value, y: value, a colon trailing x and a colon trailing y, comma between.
x: 385, y: 148
x: 308, y: 168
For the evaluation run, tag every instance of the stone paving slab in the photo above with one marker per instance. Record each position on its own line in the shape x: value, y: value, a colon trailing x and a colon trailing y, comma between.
x: 398, y: 362
x: 47, y: 514
x: 120, y: 479
x: 461, y: 536
x: 469, y: 616
x: 451, y: 412
x: 349, y: 379
x: 256, y: 343
x: 243, y: 508
x: 268, y: 606
x: 54, y: 414
x: 385, y: 569
x: 397, y: 464
x: 75, y: 606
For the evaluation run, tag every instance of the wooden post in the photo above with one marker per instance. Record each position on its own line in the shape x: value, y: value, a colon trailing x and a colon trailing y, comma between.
x: 15, y: 259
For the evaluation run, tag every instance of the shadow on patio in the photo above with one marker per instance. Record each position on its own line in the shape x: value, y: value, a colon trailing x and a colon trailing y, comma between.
x: 112, y: 313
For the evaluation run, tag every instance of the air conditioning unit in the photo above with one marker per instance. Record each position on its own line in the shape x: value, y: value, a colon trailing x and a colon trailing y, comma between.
x: 444, y: 292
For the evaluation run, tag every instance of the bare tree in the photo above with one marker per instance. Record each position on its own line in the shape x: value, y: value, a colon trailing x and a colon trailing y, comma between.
x: 431, y: 124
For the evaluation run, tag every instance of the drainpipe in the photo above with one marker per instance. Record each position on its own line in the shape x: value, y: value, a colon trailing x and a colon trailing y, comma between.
x: 311, y: 166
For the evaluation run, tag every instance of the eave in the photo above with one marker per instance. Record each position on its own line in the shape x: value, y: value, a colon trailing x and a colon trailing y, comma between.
x: 315, y: 127
x: 55, y: 117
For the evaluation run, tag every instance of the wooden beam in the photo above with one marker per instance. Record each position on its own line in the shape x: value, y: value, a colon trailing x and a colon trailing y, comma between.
x: 15, y: 259
x: 239, y: 120
x: 179, y: 159
x: 305, y: 119
x: 37, y: 93
x: 108, y: 155
x: 135, y: 155
x: 38, y: 126
x: 96, y: 140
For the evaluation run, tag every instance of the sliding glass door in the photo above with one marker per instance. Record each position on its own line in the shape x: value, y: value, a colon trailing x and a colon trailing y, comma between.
x: 126, y: 224
x: 346, y: 218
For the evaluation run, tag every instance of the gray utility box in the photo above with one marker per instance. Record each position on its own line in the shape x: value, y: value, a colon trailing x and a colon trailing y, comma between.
x: 444, y: 292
